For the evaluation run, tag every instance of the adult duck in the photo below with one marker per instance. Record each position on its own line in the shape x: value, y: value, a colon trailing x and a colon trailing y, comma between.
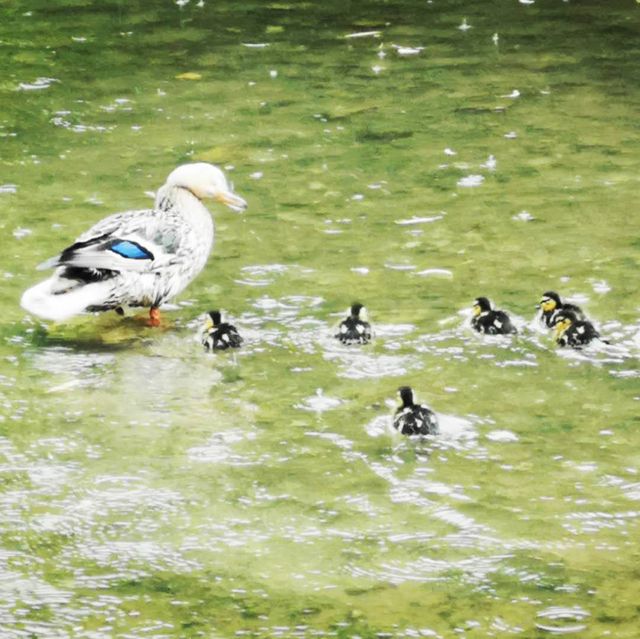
x: 137, y: 258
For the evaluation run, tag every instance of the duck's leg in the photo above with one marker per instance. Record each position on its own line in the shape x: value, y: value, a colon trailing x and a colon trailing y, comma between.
x: 154, y: 316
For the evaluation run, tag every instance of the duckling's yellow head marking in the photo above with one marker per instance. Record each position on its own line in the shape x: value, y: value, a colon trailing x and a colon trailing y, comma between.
x: 476, y: 310
x: 208, y: 323
x: 547, y: 304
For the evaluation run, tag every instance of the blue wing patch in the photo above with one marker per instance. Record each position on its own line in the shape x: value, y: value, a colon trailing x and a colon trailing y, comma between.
x: 131, y: 250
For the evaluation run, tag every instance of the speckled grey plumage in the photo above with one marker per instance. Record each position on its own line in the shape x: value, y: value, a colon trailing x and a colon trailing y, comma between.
x: 137, y: 258
x: 178, y: 231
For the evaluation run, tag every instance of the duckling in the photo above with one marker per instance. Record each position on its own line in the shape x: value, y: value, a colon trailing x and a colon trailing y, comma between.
x: 218, y: 335
x: 488, y: 320
x: 412, y: 418
x: 574, y: 332
x: 355, y: 329
x: 551, y: 303
x: 137, y: 258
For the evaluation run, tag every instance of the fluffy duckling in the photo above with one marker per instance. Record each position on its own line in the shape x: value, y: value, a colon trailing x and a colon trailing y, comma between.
x: 572, y: 331
x: 355, y: 329
x: 551, y: 303
x: 137, y: 258
x: 414, y: 419
x: 218, y: 335
x: 488, y: 320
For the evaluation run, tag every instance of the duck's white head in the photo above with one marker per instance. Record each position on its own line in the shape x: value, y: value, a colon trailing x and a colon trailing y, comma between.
x: 205, y: 180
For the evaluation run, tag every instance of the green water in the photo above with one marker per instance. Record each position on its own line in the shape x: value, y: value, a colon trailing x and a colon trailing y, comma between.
x: 148, y: 489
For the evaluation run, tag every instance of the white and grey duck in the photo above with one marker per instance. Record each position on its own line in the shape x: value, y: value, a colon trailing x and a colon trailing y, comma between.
x: 137, y: 258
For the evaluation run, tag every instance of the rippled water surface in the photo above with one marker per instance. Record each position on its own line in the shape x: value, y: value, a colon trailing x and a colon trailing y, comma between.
x: 410, y: 155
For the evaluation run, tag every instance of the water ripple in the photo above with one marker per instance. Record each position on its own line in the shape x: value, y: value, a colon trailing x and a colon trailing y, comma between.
x: 588, y: 523
x: 630, y: 489
x: 319, y: 403
x: 420, y: 220
x: 220, y: 449
x: 475, y: 570
x: 77, y: 369
x: 125, y: 558
x: 38, y: 84
x: 261, y: 274
x: 357, y: 364
x: 561, y: 620
x: 61, y: 120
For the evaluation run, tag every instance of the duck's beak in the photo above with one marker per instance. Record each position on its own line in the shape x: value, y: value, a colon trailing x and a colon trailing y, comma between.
x: 233, y: 201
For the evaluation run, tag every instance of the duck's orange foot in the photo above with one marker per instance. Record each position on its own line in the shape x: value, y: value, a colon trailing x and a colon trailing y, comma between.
x: 154, y: 316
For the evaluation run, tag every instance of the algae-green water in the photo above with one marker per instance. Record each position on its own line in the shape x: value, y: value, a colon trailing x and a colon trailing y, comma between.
x: 408, y: 155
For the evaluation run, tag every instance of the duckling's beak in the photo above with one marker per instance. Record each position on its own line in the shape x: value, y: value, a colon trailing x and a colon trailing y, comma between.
x: 233, y: 201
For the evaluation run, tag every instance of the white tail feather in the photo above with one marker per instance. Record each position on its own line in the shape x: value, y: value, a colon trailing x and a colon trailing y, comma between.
x: 42, y: 300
